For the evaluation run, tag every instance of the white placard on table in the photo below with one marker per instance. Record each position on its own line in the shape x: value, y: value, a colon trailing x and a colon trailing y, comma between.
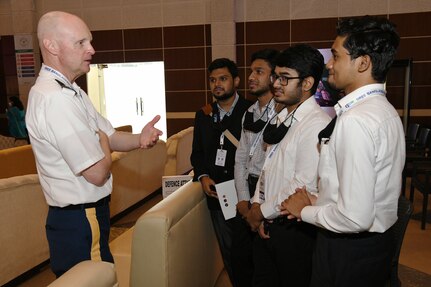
x: 172, y: 183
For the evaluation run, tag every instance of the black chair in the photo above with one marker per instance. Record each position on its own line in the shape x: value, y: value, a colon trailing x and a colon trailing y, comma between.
x: 412, y: 132
x: 421, y: 180
x: 405, y: 210
x: 417, y: 151
x: 421, y: 141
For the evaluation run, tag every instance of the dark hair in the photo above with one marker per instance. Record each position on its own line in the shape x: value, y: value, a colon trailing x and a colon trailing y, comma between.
x: 16, y: 102
x: 372, y: 36
x: 224, y: 63
x: 306, y: 60
x: 268, y: 55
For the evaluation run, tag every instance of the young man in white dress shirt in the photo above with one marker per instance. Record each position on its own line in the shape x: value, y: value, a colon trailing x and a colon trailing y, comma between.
x: 249, y: 159
x: 360, y: 164
x: 283, y: 250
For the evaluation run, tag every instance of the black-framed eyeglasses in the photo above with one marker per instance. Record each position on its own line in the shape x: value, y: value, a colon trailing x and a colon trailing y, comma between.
x: 283, y: 79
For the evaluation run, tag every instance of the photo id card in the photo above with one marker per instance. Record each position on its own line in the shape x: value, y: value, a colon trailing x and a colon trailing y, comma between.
x: 221, y: 157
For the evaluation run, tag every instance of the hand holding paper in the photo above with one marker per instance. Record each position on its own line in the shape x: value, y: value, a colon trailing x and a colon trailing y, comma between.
x: 227, y: 197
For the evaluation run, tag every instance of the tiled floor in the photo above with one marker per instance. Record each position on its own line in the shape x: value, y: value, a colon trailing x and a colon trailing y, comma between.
x: 415, y: 253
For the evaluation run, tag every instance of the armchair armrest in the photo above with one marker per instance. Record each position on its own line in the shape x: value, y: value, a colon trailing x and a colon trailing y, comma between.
x: 88, y: 274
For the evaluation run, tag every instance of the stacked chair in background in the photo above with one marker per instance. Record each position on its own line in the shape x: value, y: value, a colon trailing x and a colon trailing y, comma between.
x: 418, y: 165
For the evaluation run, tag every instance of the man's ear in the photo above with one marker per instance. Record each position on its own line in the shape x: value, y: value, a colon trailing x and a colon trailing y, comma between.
x: 236, y: 82
x: 307, y: 83
x: 364, y: 63
x: 51, y: 46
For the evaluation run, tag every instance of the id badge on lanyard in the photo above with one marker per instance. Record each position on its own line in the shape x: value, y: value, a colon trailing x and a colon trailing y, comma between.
x: 262, y: 174
x: 221, y: 153
x: 262, y: 186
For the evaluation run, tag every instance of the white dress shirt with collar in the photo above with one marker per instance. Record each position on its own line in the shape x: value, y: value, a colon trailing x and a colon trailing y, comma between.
x: 360, y: 166
x: 292, y: 163
x: 246, y: 163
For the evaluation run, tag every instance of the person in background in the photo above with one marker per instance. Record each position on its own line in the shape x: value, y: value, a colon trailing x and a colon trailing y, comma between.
x: 72, y: 145
x: 283, y: 250
x: 16, y: 118
x: 249, y: 159
x: 361, y: 162
x: 217, y: 130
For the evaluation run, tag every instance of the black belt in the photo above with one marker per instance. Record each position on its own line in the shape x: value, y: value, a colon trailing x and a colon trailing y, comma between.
x: 282, y: 220
x: 253, y: 176
x: 101, y: 202
x: 359, y: 235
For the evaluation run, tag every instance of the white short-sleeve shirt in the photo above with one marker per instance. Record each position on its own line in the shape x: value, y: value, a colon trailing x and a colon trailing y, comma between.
x: 62, y: 125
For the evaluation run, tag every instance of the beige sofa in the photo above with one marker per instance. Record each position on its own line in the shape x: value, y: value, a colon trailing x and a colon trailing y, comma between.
x: 23, y: 212
x: 171, y: 245
x: 136, y: 174
x: 23, y: 208
x: 17, y: 161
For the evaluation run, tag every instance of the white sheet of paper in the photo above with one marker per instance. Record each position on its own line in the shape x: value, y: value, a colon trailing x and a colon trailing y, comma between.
x: 227, y: 197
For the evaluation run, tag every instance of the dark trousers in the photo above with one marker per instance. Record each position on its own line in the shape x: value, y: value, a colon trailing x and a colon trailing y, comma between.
x: 352, y: 260
x: 242, y: 253
x: 77, y: 235
x: 285, y: 258
x: 242, y: 245
x: 223, y: 230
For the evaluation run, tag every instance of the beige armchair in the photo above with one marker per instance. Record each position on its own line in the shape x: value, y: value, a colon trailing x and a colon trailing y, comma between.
x: 172, y: 245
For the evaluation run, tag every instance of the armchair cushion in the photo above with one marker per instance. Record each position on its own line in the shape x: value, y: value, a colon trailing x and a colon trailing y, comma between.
x: 179, y: 149
x: 88, y: 274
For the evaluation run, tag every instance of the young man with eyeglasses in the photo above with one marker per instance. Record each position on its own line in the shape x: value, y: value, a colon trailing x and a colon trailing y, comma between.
x: 282, y: 252
x: 217, y: 131
x: 249, y: 160
x: 361, y: 162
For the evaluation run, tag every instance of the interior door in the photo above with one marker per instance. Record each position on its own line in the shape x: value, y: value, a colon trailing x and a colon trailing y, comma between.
x: 132, y: 94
